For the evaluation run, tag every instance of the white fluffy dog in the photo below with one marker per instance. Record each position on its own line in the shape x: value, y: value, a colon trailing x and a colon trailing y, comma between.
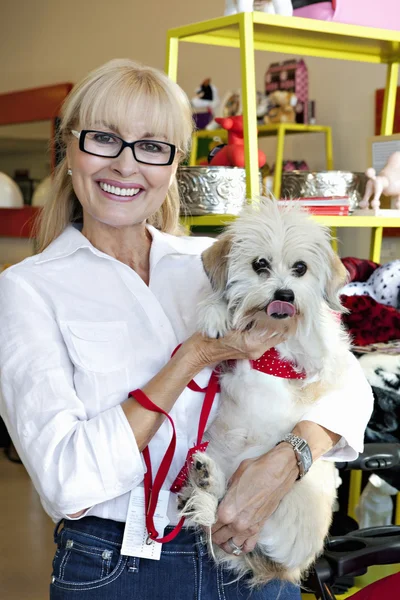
x: 272, y: 268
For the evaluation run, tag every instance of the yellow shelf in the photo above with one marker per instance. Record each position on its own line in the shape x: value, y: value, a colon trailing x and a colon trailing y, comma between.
x: 266, y: 130
x: 376, y: 224
x: 295, y: 35
x: 351, y: 221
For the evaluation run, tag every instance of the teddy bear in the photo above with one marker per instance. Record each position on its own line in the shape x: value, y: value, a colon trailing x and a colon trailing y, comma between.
x: 281, y: 107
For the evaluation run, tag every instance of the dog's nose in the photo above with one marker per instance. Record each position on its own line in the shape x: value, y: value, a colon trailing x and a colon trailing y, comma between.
x: 284, y: 295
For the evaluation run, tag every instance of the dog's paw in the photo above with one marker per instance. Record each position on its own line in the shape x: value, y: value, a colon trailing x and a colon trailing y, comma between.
x: 198, y: 500
x: 201, y: 474
x: 213, y: 318
x: 206, y: 475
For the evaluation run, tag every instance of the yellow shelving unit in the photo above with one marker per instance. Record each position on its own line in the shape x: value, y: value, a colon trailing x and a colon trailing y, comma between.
x: 280, y: 130
x: 307, y: 37
x: 294, y: 35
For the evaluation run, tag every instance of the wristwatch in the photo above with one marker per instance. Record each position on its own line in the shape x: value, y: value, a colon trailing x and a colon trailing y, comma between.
x: 302, y: 452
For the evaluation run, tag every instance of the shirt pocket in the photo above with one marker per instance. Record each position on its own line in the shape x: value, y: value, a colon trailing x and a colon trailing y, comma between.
x: 100, y: 347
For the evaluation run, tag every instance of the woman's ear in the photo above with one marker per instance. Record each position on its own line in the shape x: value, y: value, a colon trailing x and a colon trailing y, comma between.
x: 337, y: 278
x: 215, y: 262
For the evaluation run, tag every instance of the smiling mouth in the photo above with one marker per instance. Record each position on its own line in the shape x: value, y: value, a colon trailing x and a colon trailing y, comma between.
x: 119, y: 191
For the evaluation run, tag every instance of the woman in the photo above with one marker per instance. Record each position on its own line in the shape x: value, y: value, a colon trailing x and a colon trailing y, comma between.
x: 98, y: 313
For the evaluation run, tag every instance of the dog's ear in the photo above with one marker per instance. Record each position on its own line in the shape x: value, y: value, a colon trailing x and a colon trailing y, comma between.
x: 337, y: 278
x: 215, y: 262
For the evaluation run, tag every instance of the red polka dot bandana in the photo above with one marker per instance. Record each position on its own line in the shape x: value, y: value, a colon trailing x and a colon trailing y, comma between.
x: 272, y: 364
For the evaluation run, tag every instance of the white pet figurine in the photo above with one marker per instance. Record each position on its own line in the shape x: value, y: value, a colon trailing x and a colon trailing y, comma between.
x: 387, y: 182
x: 278, y: 7
x: 273, y: 269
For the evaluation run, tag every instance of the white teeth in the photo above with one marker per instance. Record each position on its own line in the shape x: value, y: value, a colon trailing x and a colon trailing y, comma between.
x: 117, y: 191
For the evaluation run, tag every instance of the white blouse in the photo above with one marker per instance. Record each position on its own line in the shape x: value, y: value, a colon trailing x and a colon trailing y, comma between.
x: 79, y: 330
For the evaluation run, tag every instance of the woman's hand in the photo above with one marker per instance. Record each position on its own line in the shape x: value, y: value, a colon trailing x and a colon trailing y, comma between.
x: 235, y: 345
x: 259, y: 484
x: 254, y: 493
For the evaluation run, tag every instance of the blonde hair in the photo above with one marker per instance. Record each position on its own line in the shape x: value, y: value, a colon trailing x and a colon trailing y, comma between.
x: 111, y: 95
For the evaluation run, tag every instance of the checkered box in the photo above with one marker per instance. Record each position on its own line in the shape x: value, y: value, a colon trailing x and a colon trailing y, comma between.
x: 290, y: 76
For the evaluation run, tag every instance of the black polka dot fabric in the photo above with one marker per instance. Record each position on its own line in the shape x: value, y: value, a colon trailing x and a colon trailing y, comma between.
x: 383, y: 285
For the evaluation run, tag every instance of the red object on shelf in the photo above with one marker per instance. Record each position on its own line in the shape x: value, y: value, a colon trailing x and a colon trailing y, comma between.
x: 232, y: 154
x: 18, y: 222
x: 323, y: 205
x: 379, y: 95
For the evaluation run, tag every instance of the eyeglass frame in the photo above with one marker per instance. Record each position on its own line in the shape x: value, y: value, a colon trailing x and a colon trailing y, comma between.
x: 82, y: 134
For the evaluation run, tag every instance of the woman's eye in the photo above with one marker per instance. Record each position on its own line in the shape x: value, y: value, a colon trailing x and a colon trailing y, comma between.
x: 152, y: 147
x: 261, y: 265
x: 103, y: 138
x: 299, y: 268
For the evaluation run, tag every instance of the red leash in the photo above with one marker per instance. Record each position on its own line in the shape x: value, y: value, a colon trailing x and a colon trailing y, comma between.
x: 269, y: 363
x: 152, y: 488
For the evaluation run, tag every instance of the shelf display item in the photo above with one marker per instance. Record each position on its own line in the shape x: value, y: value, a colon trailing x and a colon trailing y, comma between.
x: 291, y: 77
x: 208, y: 190
x: 262, y: 106
x: 230, y: 106
x: 372, y: 301
x: 10, y: 193
x: 42, y: 192
x: 233, y: 153
x: 278, y: 7
x: 281, y: 107
x: 25, y: 183
x: 204, y: 103
x: 383, y: 285
x: 384, y: 14
x: 387, y: 183
x: 323, y: 206
x: 300, y: 184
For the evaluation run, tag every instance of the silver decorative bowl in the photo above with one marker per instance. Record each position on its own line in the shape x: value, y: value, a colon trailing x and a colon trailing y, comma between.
x: 301, y: 184
x: 211, y: 190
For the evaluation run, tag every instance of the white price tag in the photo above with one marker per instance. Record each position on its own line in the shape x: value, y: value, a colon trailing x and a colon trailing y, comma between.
x: 134, y: 542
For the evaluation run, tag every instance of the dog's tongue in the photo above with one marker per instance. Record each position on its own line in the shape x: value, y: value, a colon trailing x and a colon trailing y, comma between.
x: 280, y: 308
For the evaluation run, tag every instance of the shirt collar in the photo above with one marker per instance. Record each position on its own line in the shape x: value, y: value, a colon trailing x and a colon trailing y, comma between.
x: 71, y: 240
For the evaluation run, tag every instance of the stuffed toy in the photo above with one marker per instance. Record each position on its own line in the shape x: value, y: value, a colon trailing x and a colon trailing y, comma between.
x: 281, y: 107
x: 205, y: 103
x: 232, y: 154
x: 383, y: 285
x: 279, y: 7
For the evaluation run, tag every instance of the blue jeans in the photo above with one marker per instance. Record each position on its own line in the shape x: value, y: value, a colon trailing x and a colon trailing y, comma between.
x: 88, y: 566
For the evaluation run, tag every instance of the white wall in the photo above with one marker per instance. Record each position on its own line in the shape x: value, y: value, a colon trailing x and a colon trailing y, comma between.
x: 45, y: 42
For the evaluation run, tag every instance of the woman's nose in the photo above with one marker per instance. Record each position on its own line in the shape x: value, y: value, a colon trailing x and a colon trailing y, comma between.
x: 125, y: 164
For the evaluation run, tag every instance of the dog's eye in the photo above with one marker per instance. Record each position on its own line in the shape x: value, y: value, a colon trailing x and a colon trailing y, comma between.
x: 261, y: 265
x: 299, y: 268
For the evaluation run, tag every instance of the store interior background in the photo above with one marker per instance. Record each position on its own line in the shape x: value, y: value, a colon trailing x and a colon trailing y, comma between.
x: 45, y: 42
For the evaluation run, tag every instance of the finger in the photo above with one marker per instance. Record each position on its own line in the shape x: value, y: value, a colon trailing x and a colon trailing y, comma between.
x: 223, y: 535
x: 229, y: 546
x: 249, y: 544
x: 217, y: 526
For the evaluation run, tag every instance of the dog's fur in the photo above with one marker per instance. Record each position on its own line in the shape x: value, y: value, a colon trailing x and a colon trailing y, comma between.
x: 256, y: 409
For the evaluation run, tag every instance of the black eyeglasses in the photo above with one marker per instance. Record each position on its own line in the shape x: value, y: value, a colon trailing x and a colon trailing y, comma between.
x: 108, y: 145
